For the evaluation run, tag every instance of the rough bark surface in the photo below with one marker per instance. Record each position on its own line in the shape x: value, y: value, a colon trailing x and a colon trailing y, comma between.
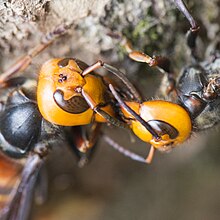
x: 149, y: 24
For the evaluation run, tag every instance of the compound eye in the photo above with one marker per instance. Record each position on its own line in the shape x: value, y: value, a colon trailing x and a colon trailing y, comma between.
x: 162, y: 128
x: 74, y: 105
x: 64, y: 62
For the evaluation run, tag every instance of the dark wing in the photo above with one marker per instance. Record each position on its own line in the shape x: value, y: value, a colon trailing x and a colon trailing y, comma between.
x: 10, y: 176
x: 19, y: 198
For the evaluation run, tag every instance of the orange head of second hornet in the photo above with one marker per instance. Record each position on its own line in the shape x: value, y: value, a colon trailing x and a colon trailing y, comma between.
x: 170, y: 121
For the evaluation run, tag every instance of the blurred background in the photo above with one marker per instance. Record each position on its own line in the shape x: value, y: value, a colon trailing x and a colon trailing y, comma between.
x: 183, y: 184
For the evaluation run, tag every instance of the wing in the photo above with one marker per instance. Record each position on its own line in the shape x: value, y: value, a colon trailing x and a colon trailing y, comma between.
x: 10, y: 172
x: 17, y: 182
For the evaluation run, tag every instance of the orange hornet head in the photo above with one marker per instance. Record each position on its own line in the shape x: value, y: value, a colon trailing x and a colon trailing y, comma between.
x: 58, y: 80
x: 170, y: 121
x: 59, y: 93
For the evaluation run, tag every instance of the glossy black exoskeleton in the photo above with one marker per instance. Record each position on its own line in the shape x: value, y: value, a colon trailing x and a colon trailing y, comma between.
x: 199, y: 91
x: 22, y: 126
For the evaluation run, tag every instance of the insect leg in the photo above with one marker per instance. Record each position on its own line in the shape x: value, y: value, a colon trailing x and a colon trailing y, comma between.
x: 123, y: 151
x: 98, y: 110
x: 10, y: 171
x: 90, y: 137
x: 134, y: 114
x: 19, y: 207
x: 193, y: 31
x: 212, y: 90
x: 24, y: 61
x: 117, y: 73
x: 83, y: 141
x: 150, y: 155
x: 41, y: 189
x: 161, y: 63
